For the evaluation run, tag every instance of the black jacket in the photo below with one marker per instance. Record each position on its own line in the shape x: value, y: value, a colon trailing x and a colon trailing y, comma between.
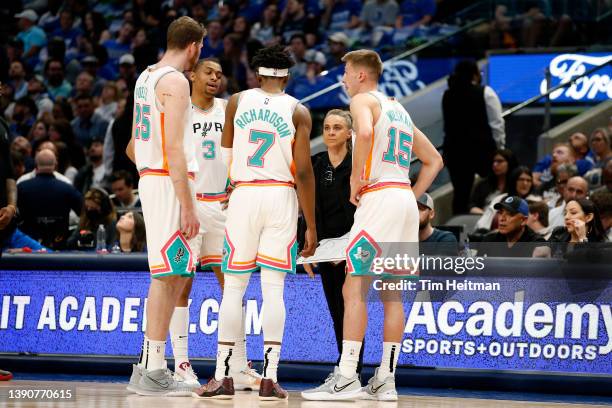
x: 333, y: 210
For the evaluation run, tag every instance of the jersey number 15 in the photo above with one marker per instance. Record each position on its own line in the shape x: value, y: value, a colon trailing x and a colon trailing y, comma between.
x: 399, y: 149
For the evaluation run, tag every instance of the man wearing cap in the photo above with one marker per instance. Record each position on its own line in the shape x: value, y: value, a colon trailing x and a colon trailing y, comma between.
x: 311, y: 82
x: 92, y: 174
x: 430, y: 236
x: 127, y: 68
x: 90, y: 65
x: 513, y: 234
x: 32, y: 36
x: 338, y: 46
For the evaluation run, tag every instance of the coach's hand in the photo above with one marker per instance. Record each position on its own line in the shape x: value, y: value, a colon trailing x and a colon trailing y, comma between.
x: 190, y: 226
x: 356, y: 185
x: 310, y: 243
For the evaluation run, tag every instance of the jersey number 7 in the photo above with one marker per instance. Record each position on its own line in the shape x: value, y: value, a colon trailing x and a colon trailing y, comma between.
x: 267, y: 139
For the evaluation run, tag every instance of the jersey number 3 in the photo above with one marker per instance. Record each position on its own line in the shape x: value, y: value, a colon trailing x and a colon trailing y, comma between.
x: 399, y: 150
x: 142, y: 127
x: 267, y: 139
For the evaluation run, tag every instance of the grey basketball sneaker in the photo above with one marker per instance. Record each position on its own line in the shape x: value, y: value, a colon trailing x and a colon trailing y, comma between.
x: 336, y: 387
x: 381, y: 390
x: 161, y: 382
x: 134, y: 379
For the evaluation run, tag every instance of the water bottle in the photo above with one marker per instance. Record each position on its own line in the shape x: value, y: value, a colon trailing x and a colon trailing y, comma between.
x: 116, y: 249
x: 101, y: 240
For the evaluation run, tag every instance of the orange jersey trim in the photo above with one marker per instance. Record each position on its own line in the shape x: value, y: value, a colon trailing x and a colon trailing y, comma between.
x: 163, y: 142
x: 265, y: 183
x: 161, y: 172
x: 368, y: 165
x: 384, y: 185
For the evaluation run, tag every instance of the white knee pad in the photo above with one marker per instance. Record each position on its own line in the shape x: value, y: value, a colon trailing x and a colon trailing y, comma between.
x: 273, y: 319
x: 230, y: 311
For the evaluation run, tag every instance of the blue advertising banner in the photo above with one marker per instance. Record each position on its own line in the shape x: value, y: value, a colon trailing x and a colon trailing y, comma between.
x: 516, y: 78
x: 505, y: 323
x: 399, y: 79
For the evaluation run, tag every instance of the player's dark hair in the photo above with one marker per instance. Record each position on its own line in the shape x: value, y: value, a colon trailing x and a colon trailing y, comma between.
x: 203, y: 60
x: 273, y: 57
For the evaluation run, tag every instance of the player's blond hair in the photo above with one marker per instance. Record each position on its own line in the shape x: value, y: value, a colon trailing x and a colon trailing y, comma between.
x: 184, y: 31
x: 366, y: 59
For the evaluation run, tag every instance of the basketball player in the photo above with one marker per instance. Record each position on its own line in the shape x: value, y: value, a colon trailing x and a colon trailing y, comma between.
x: 267, y: 140
x: 385, y: 139
x: 210, y: 184
x: 163, y: 149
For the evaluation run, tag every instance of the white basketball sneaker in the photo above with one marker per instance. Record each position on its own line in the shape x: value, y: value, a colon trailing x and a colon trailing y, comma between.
x: 184, y: 372
x: 247, y: 379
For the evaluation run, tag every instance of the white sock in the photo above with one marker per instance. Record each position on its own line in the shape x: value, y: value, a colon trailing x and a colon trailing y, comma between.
x: 152, y: 356
x: 224, y: 354
x: 239, y: 359
x: 271, y: 357
x: 389, y: 360
x: 179, y: 335
x: 349, y: 358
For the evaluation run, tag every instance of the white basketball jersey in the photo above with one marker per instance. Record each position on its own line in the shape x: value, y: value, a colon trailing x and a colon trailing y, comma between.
x: 391, y: 150
x: 263, y: 137
x: 149, y: 135
x: 207, y: 127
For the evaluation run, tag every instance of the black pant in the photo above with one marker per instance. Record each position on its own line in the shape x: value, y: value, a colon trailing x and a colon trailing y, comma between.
x: 462, y: 178
x: 332, y: 277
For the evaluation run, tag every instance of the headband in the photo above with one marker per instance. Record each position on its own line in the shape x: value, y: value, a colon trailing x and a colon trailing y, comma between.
x: 273, y: 72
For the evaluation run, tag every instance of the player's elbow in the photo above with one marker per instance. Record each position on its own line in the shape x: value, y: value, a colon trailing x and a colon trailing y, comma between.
x: 363, y: 135
x: 435, y: 161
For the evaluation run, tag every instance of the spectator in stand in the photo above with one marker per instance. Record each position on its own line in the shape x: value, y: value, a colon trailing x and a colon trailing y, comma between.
x: 131, y: 232
x: 606, y: 178
x: 22, y: 146
x: 538, y: 219
x: 338, y: 47
x: 37, y: 91
x: 145, y: 53
x: 64, y: 163
x: 97, y: 210
x: 377, y: 13
x: 554, y: 196
x: 95, y: 25
x: 120, y: 45
x: 32, y: 36
x: 84, y: 84
x: 213, y: 41
x: 415, y: 13
x: 577, y: 187
x: 436, y: 241
x: 56, y: 83
x: 108, y: 101
x: 231, y: 62
x: 504, y: 163
x: 47, y: 223
x: 61, y: 130
x: 341, y: 15
x: 293, y: 20
x: 18, y: 163
x: 87, y: 125
x: 122, y: 186
x: 127, y: 69
x: 520, y: 184
x: 265, y: 30
x: 600, y: 144
x: 117, y: 140
x: 603, y: 202
x: 92, y: 174
x: 472, y: 117
x: 513, y: 237
x: 580, y: 145
x: 313, y: 80
x: 66, y: 30
x: 38, y: 132
x: 544, y: 171
x: 582, y: 224
x: 24, y: 116
x: 242, y: 28
x: 297, y: 48
x: 17, y: 74
x: 46, y: 145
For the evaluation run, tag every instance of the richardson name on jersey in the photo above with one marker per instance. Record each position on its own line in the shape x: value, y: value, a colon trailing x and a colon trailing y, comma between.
x: 265, y: 115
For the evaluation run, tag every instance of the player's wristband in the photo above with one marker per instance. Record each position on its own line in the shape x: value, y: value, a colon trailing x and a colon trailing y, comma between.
x: 226, y: 156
